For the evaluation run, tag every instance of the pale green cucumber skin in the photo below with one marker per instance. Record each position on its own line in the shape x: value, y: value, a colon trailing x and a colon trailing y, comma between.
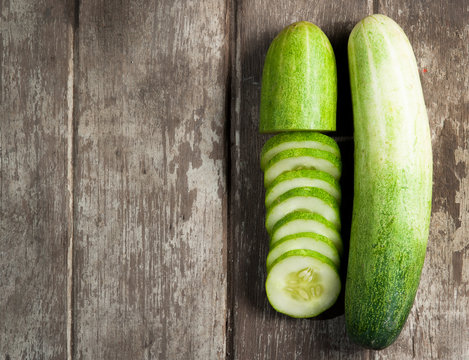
x: 298, y: 137
x: 320, y: 154
x: 322, y: 195
x: 303, y: 174
x: 314, y: 237
x: 299, y: 81
x: 392, y: 185
x: 306, y: 253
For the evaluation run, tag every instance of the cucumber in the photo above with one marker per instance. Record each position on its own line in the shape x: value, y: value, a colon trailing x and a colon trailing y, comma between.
x: 302, y: 178
x: 305, y: 241
x: 299, y: 81
x: 301, y: 171
x: 295, y: 140
x: 294, y: 159
x: 305, y: 198
x: 303, y: 221
x: 302, y: 283
x: 393, y: 182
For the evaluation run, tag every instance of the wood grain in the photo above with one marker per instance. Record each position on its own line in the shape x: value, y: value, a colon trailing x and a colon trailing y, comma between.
x: 161, y: 157
x: 35, y: 51
x: 150, y: 225
x: 438, y: 324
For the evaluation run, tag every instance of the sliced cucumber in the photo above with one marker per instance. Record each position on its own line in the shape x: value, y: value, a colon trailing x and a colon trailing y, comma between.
x: 303, y: 221
x: 295, y: 140
x: 305, y: 241
x: 302, y: 283
x: 305, y: 198
x: 302, y: 178
x: 294, y: 159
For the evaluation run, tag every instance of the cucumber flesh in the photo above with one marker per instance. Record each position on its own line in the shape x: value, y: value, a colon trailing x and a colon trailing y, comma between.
x: 306, y: 199
x: 305, y: 241
x: 302, y: 283
x: 295, y: 140
x: 302, y: 178
x: 302, y: 221
x: 294, y: 159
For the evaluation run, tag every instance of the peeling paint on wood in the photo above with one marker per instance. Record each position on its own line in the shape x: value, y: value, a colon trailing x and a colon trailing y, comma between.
x: 150, y: 232
x: 34, y: 57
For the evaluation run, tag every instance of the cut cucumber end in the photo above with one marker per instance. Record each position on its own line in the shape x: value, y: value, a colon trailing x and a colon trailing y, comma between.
x: 302, y: 284
x: 299, y: 82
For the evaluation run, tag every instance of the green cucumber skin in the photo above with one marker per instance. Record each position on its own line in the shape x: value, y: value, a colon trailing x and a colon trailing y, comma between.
x: 313, y: 236
x: 300, y: 152
x: 392, y: 185
x: 304, y: 174
x: 299, y: 136
x: 303, y: 215
x: 327, y: 198
x: 299, y: 82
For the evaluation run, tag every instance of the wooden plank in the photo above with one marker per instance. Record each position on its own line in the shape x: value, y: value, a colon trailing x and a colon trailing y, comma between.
x: 438, y: 324
x: 35, y: 54
x: 150, y: 225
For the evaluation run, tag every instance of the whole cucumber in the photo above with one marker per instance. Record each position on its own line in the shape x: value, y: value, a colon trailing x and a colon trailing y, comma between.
x: 392, y: 185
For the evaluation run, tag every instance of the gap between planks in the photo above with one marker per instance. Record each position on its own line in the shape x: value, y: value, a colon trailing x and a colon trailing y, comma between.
x: 70, y: 163
x: 372, y: 6
x: 71, y: 115
x: 232, y: 106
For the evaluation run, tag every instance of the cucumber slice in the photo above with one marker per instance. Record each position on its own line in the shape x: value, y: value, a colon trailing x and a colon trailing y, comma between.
x: 303, y: 221
x: 302, y: 178
x: 305, y: 198
x: 295, y: 140
x: 302, y: 283
x: 294, y: 159
x: 305, y: 241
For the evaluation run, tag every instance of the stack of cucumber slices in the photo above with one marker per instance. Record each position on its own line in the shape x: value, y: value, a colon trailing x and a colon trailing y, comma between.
x: 301, y: 169
x: 301, y: 174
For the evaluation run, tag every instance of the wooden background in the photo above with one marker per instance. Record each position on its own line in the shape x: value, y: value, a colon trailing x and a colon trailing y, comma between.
x: 131, y: 214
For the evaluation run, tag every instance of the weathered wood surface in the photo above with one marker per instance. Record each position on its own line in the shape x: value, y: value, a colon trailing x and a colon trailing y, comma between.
x: 160, y: 151
x: 150, y: 199
x: 35, y: 53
